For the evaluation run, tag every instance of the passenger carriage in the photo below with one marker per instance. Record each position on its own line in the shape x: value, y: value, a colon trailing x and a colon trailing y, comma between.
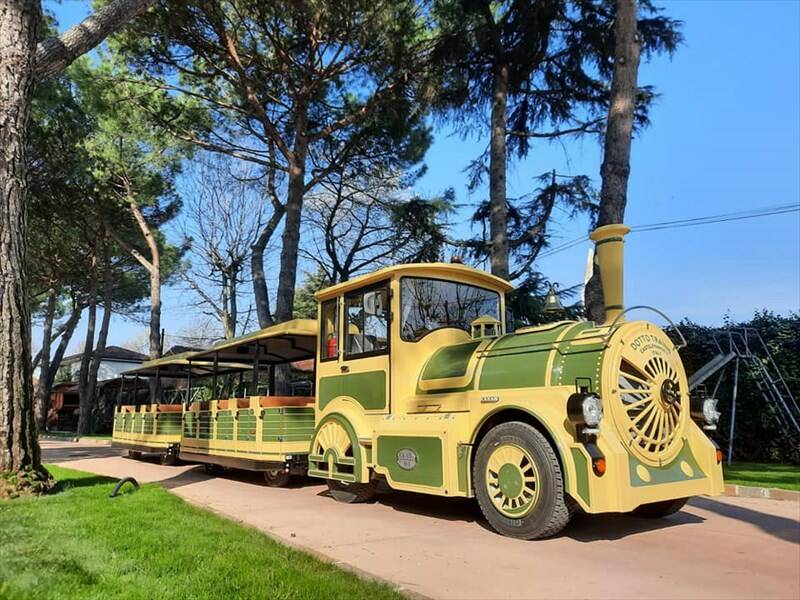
x: 142, y: 426
x: 253, y: 428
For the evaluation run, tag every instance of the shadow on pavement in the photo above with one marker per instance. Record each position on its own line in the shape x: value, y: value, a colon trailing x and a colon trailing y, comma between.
x: 774, y: 525
x: 608, y: 527
x: 70, y: 453
x: 198, y: 474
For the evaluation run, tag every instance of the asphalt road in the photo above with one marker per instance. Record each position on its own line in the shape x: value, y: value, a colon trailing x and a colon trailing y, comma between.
x: 439, y: 547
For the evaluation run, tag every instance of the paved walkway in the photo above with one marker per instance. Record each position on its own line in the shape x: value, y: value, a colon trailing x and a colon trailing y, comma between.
x: 438, y: 547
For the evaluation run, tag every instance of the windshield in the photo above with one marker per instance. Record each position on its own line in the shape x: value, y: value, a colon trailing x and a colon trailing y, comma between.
x: 428, y: 304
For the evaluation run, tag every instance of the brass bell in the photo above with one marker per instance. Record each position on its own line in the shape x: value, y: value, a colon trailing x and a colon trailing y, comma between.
x: 552, y: 303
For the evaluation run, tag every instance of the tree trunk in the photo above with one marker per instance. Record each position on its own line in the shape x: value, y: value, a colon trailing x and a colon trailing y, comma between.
x: 19, y: 448
x: 100, y: 346
x: 45, y: 385
x: 619, y: 132
x: 233, y: 310
x: 498, y: 208
x: 284, y: 306
x: 44, y: 357
x: 84, y: 400
x: 257, y: 267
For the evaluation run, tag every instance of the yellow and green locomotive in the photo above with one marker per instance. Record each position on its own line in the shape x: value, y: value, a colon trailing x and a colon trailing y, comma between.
x: 419, y: 387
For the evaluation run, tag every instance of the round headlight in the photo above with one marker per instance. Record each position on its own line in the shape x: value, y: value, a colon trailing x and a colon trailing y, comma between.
x: 592, y: 410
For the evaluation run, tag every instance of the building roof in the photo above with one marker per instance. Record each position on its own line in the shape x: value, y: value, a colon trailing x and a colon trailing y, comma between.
x: 447, y: 271
x: 115, y: 353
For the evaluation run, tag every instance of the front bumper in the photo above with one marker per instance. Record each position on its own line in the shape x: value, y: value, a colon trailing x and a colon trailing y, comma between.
x: 629, y: 483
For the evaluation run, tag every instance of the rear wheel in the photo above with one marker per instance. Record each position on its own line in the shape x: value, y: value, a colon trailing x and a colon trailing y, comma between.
x: 351, y: 493
x: 518, y: 483
x: 168, y: 459
x: 277, y: 478
x: 656, y: 510
x: 135, y: 454
x: 212, y: 469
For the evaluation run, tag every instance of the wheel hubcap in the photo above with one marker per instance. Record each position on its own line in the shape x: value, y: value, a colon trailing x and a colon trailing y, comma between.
x: 512, y: 480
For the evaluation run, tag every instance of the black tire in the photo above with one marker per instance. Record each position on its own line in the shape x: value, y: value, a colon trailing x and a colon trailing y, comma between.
x: 168, y: 459
x: 551, y: 512
x: 134, y: 454
x: 277, y: 478
x: 352, y: 493
x: 212, y: 469
x: 657, y: 510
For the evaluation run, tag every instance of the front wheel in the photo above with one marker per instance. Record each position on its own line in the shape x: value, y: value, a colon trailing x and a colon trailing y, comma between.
x: 657, y: 510
x: 519, y: 484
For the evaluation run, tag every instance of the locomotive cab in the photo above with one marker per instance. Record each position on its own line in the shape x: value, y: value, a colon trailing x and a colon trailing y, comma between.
x: 421, y: 388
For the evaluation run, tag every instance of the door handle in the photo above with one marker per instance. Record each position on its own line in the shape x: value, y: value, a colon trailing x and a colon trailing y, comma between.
x: 344, y: 369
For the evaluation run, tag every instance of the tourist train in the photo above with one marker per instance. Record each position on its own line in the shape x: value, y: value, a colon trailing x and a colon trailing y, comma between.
x: 419, y: 386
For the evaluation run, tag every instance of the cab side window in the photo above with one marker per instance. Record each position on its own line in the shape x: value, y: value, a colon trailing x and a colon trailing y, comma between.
x: 367, y: 319
x: 329, y: 338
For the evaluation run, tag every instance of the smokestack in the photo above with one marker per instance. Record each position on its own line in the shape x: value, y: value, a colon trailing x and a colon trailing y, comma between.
x: 609, y: 254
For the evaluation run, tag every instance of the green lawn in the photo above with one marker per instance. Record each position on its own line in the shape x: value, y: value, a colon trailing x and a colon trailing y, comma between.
x: 78, y: 543
x: 763, y: 475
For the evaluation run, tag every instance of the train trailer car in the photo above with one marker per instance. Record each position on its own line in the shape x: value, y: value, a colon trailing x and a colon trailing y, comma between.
x: 145, y: 427
x: 249, y: 429
x: 419, y: 386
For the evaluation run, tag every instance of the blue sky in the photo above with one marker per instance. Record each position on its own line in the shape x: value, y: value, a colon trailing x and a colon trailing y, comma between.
x: 725, y: 137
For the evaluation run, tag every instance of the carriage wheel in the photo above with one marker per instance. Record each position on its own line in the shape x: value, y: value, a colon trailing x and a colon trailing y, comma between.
x: 518, y: 483
x: 277, y: 478
x: 212, y: 469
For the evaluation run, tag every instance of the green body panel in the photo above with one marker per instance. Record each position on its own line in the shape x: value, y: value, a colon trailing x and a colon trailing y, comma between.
x: 288, y: 424
x: 190, y: 425
x: 450, y: 361
x: 168, y: 424
x: 148, y: 424
x: 127, y: 423
x: 224, y: 425
x: 668, y: 473
x: 581, y: 474
x: 204, y: 425
x: 464, y: 453
x: 520, y: 360
x: 368, y: 389
x: 522, y: 369
x: 429, y: 468
x: 246, y: 425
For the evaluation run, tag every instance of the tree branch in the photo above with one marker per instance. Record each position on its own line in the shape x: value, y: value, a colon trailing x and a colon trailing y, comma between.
x: 55, y: 54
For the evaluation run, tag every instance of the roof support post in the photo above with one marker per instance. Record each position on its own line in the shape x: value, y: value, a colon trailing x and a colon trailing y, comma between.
x: 214, y: 385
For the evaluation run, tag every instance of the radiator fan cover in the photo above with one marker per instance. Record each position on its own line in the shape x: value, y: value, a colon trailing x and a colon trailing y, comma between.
x: 648, y: 392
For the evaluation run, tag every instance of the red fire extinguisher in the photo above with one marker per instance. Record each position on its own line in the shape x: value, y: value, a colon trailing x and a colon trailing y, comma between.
x: 330, y: 349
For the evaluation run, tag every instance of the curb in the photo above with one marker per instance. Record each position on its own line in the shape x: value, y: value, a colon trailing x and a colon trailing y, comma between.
x: 744, y: 491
